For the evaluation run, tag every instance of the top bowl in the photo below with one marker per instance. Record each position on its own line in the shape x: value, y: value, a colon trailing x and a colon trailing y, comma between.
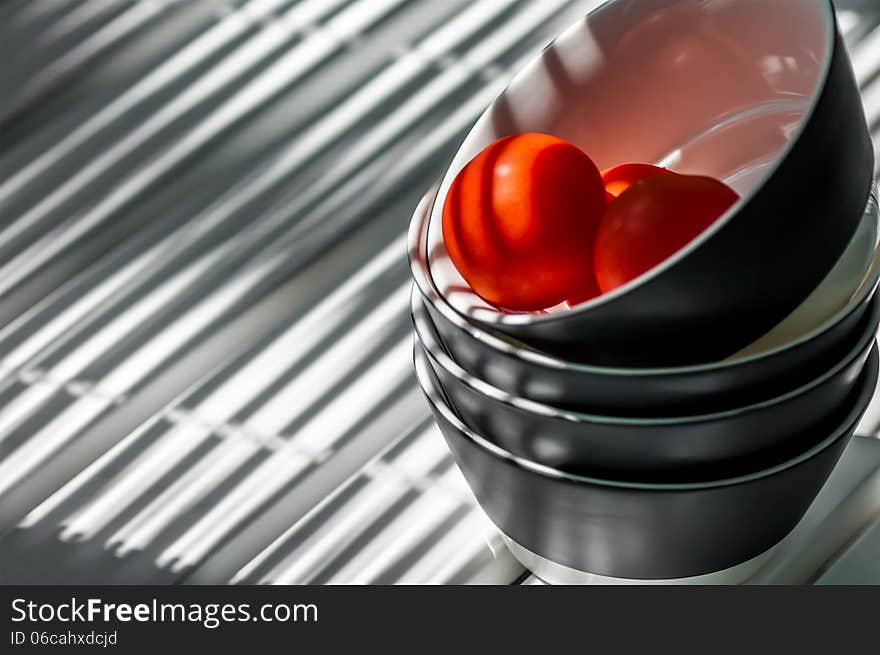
x: 711, y: 87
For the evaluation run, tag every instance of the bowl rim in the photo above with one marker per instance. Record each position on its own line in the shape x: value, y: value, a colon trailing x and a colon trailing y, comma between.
x: 867, y: 383
x: 417, y: 247
x: 437, y: 355
x: 525, y: 318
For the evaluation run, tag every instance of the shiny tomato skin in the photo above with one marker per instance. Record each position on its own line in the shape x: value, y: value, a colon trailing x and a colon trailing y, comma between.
x: 519, y: 222
x: 652, y: 220
x: 573, y: 300
x: 620, y: 178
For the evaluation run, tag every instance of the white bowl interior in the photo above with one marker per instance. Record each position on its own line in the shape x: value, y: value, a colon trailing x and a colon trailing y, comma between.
x: 710, y: 87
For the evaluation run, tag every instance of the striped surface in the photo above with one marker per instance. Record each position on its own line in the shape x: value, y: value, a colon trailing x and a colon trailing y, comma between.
x: 204, y: 345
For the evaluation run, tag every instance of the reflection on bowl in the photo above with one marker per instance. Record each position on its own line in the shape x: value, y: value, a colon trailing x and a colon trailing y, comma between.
x: 841, y: 287
x: 700, y: 446
x: 637, y: 530
x: 750, y: 377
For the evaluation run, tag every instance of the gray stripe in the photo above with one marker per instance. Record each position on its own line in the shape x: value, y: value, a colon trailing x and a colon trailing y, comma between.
x: 178, y: 400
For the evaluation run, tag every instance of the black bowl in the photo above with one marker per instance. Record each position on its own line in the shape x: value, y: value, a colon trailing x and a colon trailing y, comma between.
x: 682, y: 449
x: 670, y: 391
x: 727, y: 89
x: 643, y: 531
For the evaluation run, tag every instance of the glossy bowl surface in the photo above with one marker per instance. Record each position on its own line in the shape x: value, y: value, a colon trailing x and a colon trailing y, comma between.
x: 833, y: 295
x: 760, y: 371
x: 687, y: 448
x: 640, y: 530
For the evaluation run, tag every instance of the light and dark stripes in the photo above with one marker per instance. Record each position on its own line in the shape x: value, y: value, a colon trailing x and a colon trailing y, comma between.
x: 204, y: 343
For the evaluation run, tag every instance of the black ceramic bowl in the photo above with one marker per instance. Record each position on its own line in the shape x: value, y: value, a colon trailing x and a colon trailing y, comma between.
x: 637, y: 530
x: 713, y: 87
x: 681, y: 449
x: 521, y: 370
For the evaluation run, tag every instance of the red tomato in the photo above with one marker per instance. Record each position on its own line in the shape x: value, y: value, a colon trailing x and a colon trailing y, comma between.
x: 573, y: 300
x: 520, y: 220
x: 653, y: 219
x: 620, y: 178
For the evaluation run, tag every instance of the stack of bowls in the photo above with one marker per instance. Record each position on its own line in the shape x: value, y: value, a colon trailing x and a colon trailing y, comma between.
x: 680, y: 426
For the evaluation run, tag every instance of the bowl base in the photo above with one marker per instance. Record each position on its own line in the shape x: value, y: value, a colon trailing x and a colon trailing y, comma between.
x: 559, y: 574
